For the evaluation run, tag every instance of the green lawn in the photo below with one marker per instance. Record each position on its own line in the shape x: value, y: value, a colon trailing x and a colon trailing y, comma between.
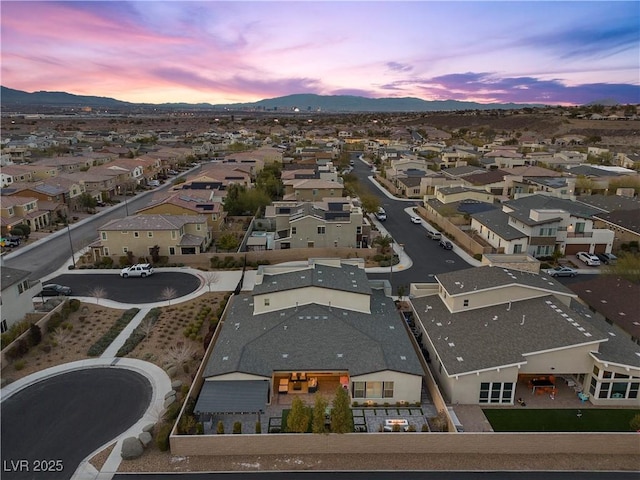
x: 560, y: 420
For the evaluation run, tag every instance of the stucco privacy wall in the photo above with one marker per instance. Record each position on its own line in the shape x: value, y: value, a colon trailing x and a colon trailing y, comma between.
x: 385, y: 443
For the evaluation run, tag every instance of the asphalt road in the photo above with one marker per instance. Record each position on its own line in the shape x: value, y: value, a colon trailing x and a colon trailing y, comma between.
x: 63, y: 419
x: 386, y: 475
x: 427, y: 256
x: 129, y: 290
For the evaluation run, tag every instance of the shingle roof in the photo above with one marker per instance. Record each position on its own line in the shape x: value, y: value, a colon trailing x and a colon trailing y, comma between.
x: 501, y: 335
x: 11, y: 276
x: 551, y: 203
x: 609, y: 203
x: 498, y: 222
x: 490, y: 277
x: 628, y: 219
x: 152, y: 222
x: 313, y: 337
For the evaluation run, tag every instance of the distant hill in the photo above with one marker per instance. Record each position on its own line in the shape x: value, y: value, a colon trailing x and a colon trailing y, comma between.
x: 14, y: 99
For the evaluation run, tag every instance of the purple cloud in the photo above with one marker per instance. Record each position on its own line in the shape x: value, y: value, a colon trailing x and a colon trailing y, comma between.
x: 399, y: 67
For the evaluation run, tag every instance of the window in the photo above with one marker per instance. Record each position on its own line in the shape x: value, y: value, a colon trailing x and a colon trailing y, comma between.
x: 465, y: 302
x: 198, y: 226
x: 124, y: 232
x: 172, y: 251
x: 358, y: 230
x: 517, y: 248
x: 136, y: 234
x: 387, y: 390
x: 293, y: 230
x: 579, y: 227
x: 496, y: 392
x: 173, y: 234
x: 125, y: 249
x: 374, y: 389
x: 150, y: 234
x: 23, y: 286
x: 267, y: 302
x: 321, y: 230
x: 106, y: 251
x: 3, y: 326
x: 596, y: 370
x: 358, y: 389
x: 103, y: 235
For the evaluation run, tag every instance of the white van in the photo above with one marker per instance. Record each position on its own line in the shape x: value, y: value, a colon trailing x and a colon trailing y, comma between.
x: 455, y: 420
x: 381, y: 215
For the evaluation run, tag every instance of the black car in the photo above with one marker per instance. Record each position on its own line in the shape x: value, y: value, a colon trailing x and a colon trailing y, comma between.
x: 446, y: 244
x: 55, y: 290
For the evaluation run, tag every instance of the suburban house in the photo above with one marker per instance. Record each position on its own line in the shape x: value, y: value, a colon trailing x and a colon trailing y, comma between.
x: 17, y: 296
x: 311, y: 189
x: 303, y: 326
x: 15, y: 173
x: 332, y: 222
x: 491, y: 331
x: 139, y: 234
x: 539, y: 225
x: 189, y: 202
x: 17, y: 210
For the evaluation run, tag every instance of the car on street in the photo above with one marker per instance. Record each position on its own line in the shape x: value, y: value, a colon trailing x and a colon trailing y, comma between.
x: 446, y: 244
x: 607, y: 258
x: 588, y: 258
x: 139, y: 270
x: 172, y: 172
x: 55, y: 290
x: 381, y: 215
x: 562, y: 272
x: 11, y: 242
x: 416, y: 220
x: 154, y: 183
x: 434, y: 235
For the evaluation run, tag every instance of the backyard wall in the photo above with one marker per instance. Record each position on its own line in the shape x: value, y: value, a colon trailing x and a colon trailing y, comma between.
x: 385, y: 443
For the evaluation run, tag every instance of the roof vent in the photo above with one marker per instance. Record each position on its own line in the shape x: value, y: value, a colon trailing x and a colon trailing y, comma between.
x: 402, y: 357
x: 225, y: 358
x: 285, y: 355
x: 391, y: 327
x: 339, y: 355
x: 460, y: 359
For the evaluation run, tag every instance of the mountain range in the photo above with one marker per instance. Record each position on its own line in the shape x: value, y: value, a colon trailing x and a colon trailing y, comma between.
x: 12, y: 99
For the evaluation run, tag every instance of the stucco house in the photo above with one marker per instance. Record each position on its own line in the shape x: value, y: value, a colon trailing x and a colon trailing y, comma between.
x: 17, y: 295
x: 138, y: 234
x: 317, y: 323
x: 490, y: 331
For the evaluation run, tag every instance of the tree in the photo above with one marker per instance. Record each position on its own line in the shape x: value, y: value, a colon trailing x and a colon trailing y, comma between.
x: 87, y: 202
x: 299, y: 417
x: 341, y: 418
x: 370, y: 203
x: 180, y: 353
x: 227, y: 242
x: 97, y: 292
x: 35, y: 334
x: 319, y: 409
x: 211, y: 278
x: 384, y: 242
x: 155, y: 254
x: 21, y: 230
x: 168, y: 293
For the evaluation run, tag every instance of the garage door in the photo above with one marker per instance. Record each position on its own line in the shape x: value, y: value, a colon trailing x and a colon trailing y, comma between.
x: 575, y: 248
x: 600, y: 248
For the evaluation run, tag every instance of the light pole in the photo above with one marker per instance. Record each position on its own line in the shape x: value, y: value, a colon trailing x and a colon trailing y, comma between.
x: 71, y: 244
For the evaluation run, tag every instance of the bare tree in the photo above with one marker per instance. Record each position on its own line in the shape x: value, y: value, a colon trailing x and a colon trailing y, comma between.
x: 146, y: 326
x: 180, y: 353
x: 168, y: 293
x: 60, y: 336
x: 211, y: 278
x: 98, y: 292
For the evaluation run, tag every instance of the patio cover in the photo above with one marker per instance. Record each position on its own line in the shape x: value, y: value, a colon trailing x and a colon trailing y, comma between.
x: 233, y: 396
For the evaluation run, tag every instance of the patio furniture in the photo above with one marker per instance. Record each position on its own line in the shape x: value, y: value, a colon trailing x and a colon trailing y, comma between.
x: 542, y: 385
x: 283, y: 386
x: 313, y: 384
x: 583, y: 397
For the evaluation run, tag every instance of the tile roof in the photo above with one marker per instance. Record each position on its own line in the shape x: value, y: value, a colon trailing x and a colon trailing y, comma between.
x: 151, y: 222
x: 498, y: 222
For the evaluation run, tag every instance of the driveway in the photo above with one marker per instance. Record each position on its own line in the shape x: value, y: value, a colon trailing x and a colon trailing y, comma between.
x: 129, y: 290
x: 66, y: 418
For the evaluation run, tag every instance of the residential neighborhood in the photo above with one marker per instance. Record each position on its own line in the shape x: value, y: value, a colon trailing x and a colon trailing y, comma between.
x: 312, y: 300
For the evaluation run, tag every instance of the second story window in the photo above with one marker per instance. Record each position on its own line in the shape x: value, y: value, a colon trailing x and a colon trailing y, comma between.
x: 293, y: 230
x: 136, y: 234
x: 321, y: 230
x: 103, y: 235
x: 150, y: 234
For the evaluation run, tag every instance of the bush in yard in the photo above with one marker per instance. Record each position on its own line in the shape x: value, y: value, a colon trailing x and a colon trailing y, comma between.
x: 35, y: 334
x: 237, y: 427
x: 635, y: 423
x: 220, y: 428
x: 162, y: 437
x: 258, y: 427
x: 299, y: 417
x: 14, y: 332
x: 199, y: 428
x: 103, y: 343
x: 172, y: 412
x: 74, y: 304
x: 341, y: 418
x: 54, y: 322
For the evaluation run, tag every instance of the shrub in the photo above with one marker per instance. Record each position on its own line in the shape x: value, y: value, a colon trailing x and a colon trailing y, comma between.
x: 258, y: 427
x: 19, y: 365
x: 425, y: 427
x: 412, y: 428
x: 54, y: 322
x: 162, y: 437
x: 103, y: 342
x: 172, y: 411
x: 477, y: 256
x: 634, y: 423
x: 220, y: 428
x: 14, y: 332
x: 35, y: 335
x: 237, y: 427
x: 199, y: 428
x: 74, y: 304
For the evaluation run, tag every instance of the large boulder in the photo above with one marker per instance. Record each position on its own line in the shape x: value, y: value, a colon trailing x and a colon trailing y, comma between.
x: 149, y: 427
x: 169, y: 400
x: 176, y: 384
x: 172, y: 370
x: 172, y: 393
x: 131, y: 448
x: 145, y: 439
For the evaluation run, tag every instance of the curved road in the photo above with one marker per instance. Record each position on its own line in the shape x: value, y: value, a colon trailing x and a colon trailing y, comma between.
x: 129, y: 290
x: 66, y: 418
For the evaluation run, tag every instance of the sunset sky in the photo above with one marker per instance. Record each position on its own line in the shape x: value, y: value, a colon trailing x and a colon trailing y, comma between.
x: 241, y: 51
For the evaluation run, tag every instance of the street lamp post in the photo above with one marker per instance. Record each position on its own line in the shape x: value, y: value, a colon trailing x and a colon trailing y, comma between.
x: 71, y: 244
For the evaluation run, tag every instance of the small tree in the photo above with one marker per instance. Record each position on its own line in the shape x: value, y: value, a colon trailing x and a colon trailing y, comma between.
x: 179, y: 354
x: 341, y: 418
x: 211, y: 278
x: 227, y: 242
x: 146, y: 326
x: 35, y: 334
x: 319, y: 409
x: 220, y: 428
x: 384, y: 242
x: 155, y: 254
x: 634, y: 423
x: 299, y: 416
x: 168, y: 293
x: 237, y: 427
x: 97, y: 292
x: 440, y: 421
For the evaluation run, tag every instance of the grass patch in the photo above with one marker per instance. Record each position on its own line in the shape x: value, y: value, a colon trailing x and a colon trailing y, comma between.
x: 560, y: 420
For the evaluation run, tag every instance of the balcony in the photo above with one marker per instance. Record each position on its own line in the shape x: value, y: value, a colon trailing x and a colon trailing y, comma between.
x: 579, y: 234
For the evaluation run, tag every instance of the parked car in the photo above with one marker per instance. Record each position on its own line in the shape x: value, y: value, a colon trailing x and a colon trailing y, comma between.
x: 172, y: 172
x: 381, y: 215
x: 11, y: 241
x: 416, y: 220
x: 55, y: 290
x: 446, y: 244
x: 562, y: 272
x: 589, y: 258
x: 607, y: 258
x: 154, y: 183
x: 434, y: 235
x: 138, y: 270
